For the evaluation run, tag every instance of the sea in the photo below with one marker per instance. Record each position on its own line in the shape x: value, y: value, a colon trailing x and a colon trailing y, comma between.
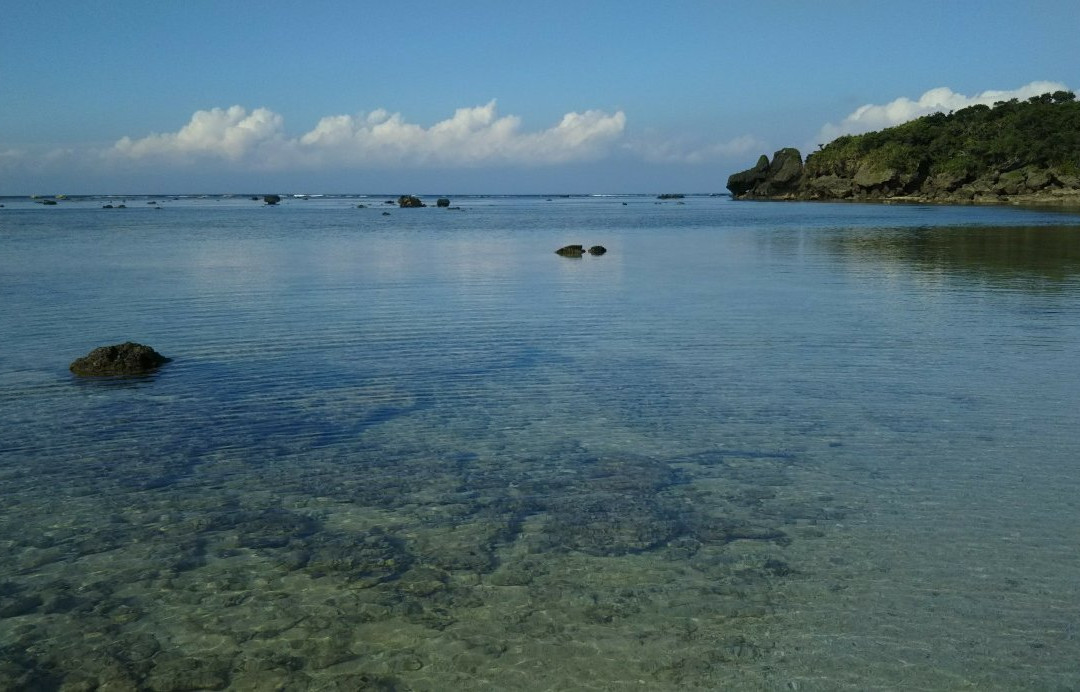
x: 753, y: 445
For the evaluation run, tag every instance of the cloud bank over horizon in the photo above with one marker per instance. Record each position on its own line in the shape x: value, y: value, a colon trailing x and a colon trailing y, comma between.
x: 472, y: 136
x: 872, y: 117
x: 661, y: 150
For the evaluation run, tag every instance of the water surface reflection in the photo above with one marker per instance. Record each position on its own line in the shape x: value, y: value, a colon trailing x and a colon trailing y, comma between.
x: 1036, y: 258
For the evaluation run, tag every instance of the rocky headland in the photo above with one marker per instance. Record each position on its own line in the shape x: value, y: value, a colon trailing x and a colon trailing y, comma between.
x: 1014, y: 152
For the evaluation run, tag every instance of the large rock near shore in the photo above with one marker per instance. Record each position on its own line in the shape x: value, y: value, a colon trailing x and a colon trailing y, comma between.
x: 744, y: 181
x: 407, y: 201
x: 780, y: 177
x: 127, y: 358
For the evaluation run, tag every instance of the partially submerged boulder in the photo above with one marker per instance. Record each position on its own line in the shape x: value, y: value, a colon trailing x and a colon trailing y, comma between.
x: 442, y: 202
x: 406, y: 201
x: 127, y: 358
x: 272, y: 199
x: 579, y: 250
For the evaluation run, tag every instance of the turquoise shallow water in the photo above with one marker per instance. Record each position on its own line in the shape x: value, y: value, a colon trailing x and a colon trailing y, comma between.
x: 771, y: 446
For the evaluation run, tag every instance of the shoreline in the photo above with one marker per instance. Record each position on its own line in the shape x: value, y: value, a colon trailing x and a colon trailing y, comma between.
x: 1072, y: 199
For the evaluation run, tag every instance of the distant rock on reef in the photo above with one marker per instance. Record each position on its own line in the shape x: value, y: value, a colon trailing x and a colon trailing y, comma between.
x: 272, y: 199
x: 127, y: 358
x: 442, y: 202
x: 406, y: 201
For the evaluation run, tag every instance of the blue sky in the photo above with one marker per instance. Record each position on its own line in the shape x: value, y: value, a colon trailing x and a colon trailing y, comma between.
x: 474, y: 97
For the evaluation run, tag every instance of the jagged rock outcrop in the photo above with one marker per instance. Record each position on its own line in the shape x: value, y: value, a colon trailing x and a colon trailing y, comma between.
x: 127, y: 358
x: 742, y: 183
x: 779, y: 178
x: 406, y: 201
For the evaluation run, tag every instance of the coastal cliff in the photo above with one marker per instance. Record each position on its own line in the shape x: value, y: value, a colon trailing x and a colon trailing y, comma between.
x: 1020, y: 152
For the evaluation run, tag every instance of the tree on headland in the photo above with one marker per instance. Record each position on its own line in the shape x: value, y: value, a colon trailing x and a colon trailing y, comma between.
x: 1013, y: 149
x: 1043, y: 131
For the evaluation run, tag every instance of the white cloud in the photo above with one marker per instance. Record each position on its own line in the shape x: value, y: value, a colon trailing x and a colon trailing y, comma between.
x: 472, y: 136
x: 657, y: 149
x: 232, y: 134
x: 876, y: 117
x: 11, y: 156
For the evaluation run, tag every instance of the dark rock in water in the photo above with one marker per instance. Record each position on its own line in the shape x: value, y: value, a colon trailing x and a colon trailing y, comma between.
x: 776, y: 567
x: 18, y: 604
x: 614, y: 506
x: 363, y: 559
x: 668, y: 195
x: 106, y: 206
x: 272, y: 199
x: 172, y: 671
x: 409, y: 201
x: 49, y: 202
x: 386, y: 213
x: 122, y: 359
x: 442, y: 202
x: 268, y: 528
x: 579, y: 250
x: 361, y: 206
x: 613, y: 524
x: 725, y: 530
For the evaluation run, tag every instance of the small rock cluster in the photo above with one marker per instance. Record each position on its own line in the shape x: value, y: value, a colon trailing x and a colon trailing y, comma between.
x: 579, y: 250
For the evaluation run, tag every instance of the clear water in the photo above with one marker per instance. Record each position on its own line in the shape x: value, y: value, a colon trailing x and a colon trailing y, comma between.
x: 763, y: 446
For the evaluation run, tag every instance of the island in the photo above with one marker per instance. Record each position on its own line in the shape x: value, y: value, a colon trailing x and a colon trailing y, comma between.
x: 1011, y: 152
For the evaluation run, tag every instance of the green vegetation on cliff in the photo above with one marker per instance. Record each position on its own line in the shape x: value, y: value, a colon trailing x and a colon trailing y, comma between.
x: 1043, y: 131
x: 1014, y: 150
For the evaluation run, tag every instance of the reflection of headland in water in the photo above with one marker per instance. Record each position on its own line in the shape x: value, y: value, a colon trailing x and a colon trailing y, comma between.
x: 1027, y: 257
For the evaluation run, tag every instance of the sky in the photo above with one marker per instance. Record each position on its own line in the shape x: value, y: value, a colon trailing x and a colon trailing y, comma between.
x: 485, y: 97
